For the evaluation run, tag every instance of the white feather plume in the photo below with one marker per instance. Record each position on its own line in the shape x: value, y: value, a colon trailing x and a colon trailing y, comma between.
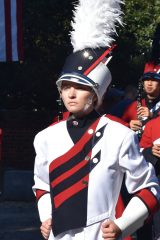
x: 94, y: 23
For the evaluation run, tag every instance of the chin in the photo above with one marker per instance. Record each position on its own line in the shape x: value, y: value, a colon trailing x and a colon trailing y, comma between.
x: 73, y: 110
x: 149, y: 90
x: 77, y: 113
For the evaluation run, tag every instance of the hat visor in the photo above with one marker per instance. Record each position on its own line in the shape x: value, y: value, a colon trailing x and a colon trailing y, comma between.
x: 80, y: 79
x: 77, y: 78
x: 151, y: 75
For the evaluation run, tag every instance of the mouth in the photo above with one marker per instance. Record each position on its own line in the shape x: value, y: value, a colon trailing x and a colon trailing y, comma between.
x: 149, y: 88
x: 72, y: 103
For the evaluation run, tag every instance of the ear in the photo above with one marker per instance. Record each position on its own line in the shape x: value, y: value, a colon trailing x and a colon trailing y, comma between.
x: 60, y: 94
x: 95, y: 99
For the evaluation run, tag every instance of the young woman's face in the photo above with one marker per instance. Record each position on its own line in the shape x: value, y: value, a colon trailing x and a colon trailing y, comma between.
x: 152, y: 88
x: 78, y: 99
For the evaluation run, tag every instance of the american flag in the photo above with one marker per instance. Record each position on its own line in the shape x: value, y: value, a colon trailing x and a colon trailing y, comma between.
x: 11, y: 48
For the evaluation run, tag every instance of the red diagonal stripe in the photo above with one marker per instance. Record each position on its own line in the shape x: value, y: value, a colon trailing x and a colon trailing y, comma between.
x: 68, y: 173
x: 98, y: 60
x: 66, y: 194
x: 74, y: 150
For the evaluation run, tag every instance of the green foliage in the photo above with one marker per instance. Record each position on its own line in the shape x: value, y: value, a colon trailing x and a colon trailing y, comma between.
x: 141, y: 18
x: 135, y: 39
x: 46, y: 26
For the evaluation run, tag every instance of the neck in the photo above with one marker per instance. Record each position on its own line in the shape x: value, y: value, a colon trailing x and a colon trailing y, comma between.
x: 80, y: 115
x: 151, y: 97
x: 83, y: 113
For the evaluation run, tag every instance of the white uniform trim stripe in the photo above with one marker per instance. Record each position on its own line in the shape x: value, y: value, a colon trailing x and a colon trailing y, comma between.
x: 83, y: 79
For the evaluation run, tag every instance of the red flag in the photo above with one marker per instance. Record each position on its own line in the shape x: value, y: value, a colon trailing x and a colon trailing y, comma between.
x: 11, y: 30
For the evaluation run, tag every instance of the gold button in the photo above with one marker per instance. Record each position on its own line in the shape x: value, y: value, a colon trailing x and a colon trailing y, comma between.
x: 90, y: 131
x: 75, y: 123
x: 87, y: 158
x: 84, y: 182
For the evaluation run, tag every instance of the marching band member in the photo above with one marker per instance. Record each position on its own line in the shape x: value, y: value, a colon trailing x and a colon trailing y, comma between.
x: 137, y: 114
x: 81, y: 161
x: 150, y: 143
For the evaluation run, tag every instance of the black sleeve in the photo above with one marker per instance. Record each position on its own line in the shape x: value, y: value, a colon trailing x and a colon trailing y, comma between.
x: 156, y: 114
x: 147, y: 153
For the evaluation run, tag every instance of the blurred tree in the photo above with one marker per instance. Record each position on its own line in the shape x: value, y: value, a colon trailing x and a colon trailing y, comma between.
x: 141, y: 18
x: 46, y: 26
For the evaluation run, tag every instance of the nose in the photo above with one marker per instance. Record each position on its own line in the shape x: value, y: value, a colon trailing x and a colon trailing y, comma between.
x: 149, y: 82
x: 72, y: 92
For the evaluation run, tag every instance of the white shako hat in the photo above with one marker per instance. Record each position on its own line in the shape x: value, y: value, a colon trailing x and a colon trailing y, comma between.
x: 92, y: 40
x: 87, y: 67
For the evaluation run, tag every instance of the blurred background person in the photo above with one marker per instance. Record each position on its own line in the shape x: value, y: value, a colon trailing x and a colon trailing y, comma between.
x: 127, y: 97
x: 147, y: 105
x: 150, y: 145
